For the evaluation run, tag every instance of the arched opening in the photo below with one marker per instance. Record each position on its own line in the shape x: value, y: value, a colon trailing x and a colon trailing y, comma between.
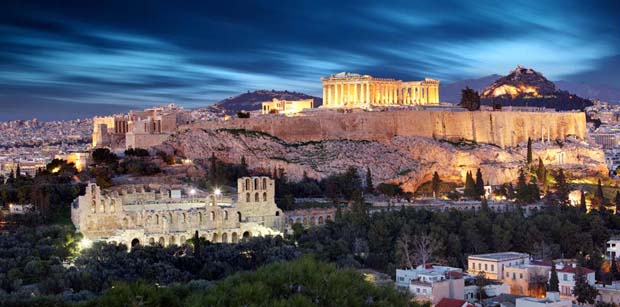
x: 213, y: 215
x: 216, y: 238
x: 255, y: 183
x: 162, y: 241
x: 320, y: 220
x: 226, y: 215
x: 172, y: 241
x: 298, y: 220
x: 256, y: 197
x: 312, y: 221
x: 151, y: 241
x: 224, y: 238
x: 157, y: 219
x: 290, y: 221
x: 329, y: 218
x: 238, y: 216
x: 170, y: 218
x: 264, y: 183
x: 277, y: 213
x: 235, y: 238
x: 184, y: 218
x: 247, y: 235
x: 247, y: 197
x: 264, y: 196
x: 125, y: 223
x: 200, y: 217
x: 183, y: 239
x: 247, y: 184
x: 135, y: 242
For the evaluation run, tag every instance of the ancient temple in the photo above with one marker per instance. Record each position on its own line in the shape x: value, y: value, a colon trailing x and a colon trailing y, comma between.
x: 350, y: 90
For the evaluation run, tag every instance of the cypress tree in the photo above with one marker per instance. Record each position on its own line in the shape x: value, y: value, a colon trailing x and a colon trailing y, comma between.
x: 617, y: 202
x: 470, y: 187
x: 435, y: 184
x: 562, y: 188
x: 599, y: 193
x: 196, y: 244
x: 479, y: 183
x: 582, y: 202
x: 553, y: 280
x: 523, y: 194
x: 529, y: 151
x: 369, y: 188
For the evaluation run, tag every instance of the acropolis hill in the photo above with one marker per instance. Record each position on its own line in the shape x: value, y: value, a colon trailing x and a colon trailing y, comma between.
x: 504, y: 129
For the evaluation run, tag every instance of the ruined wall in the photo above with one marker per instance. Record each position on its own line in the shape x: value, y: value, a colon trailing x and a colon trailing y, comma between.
x: 499, y: 128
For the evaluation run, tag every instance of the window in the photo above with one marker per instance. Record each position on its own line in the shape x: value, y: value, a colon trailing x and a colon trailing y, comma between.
x: 255, y: 183
x: 565, y: 277
x: 264, y: 183
x: 226, y: 215
x: 507, y: 274
x: 520, y: 275
x: 256, y: 197
x: 247, y: 197
x: 514, y: 276
x: 264, y: 196
x: 492, y: 268
x: 479, y: 266
x: 485, y: 267
x: 247, y: 184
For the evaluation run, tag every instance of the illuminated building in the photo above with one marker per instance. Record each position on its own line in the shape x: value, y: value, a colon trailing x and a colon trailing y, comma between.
x: 349, y: 90
x: 287, y: 106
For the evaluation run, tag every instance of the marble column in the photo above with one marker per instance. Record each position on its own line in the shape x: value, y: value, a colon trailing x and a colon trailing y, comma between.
x: 355, y: 99
x: 325, y: 95
x: 367, y: 86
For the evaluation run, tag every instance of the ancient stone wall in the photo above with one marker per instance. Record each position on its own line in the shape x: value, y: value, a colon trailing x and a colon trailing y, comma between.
x: 500, y: 128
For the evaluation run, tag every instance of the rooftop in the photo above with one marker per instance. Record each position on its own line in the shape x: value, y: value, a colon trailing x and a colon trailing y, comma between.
x: 501, y: 256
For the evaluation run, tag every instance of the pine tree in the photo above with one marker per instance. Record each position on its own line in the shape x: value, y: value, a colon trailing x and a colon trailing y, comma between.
x: 435, y: 184
x: 369, y: 187
x: 479, y: 184
x: 582, y: 202
x: 553, y: 280
x: 584, y: 292
x: 529, y: 151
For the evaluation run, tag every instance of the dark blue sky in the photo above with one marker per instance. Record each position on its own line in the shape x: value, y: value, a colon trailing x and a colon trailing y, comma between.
x: 65, y: 59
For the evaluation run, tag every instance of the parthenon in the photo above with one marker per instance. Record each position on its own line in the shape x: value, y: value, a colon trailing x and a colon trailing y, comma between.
x: 350, y: 90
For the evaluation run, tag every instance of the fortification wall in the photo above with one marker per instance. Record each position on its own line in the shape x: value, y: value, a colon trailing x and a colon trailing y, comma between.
x: 499, y: 128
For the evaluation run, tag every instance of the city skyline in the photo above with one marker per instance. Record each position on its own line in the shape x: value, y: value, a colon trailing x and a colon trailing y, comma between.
x: 76, y: 58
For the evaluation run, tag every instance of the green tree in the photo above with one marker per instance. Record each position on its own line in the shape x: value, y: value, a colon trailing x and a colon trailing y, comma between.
x: 369, y: 188
x: 582, y: 202
x: 615, y: 274
x: 617, y: 202
x: 529, y: 151
x: 553, y: 279
x: 470, y: 99
x: 600, y: 196
x: 479, y: 184
x: 583, y: 291
x: 470, y: 187
x: 436, y: 181
x: 562, y: 188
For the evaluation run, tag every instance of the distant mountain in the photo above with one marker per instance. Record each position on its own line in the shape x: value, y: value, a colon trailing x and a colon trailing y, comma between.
x: 527, y: 87
x: 451, y: 92
x: 252, y: 101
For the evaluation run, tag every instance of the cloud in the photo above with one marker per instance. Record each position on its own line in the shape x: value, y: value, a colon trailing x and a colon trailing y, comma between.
x: 195, y: 54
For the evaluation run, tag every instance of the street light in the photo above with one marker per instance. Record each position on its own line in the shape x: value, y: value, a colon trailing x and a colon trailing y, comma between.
x: 192, y: 192
x: 217, y: 192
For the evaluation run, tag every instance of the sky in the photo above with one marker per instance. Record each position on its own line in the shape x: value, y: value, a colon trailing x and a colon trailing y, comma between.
x: 68, y: 59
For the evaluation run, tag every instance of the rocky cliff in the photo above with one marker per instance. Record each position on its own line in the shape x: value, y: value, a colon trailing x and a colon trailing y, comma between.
x: 408, y: 160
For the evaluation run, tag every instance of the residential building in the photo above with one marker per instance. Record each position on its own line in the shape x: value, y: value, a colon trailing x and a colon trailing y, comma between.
x: 527, y: 279
x: 492, y: 265
x: 613, y: 249
x: 566, y: 276
x: 432, y: 283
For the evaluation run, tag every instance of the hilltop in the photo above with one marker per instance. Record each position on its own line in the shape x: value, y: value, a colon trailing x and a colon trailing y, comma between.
x: 527, y: 87
x: 251, y: 101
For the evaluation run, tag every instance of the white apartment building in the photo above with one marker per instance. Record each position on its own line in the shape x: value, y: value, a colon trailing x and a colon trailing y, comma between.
x: 433, y: 283
x: 613, y: 249
x: 566, y: 276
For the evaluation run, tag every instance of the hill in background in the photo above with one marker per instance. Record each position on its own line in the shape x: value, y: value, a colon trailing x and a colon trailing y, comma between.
x: 252, y: 101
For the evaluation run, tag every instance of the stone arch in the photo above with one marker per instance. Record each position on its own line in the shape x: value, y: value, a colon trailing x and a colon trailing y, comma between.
x: 264, y: 183
x: 235, y: 237
x: 255, y: 183
x: 151, y: 241
x: 320, y: 220
x: 215, y: 237
x: 224, y: 237
x: 135, y: 242
x: 256, y: 199
x: 170, y: 221
x: 312, y: 221
x: 298, y: 220
x: 162, y: 241
x: 157, y: 219
x: 265, y: 196
x: 277, y: 213
x: 125, y: 223
x: 290, y: 221
x: 213, y: 215
x: 172, y: 241
x: 183, y: 239
x: 102, y: 206
x: 328, y: 218
x: 226, y: 215
x: 184, y: 218
x: 199, y: 217
x: 238, y: 216
x: 247, y: 197
x: 112, y: 206
x: 247, y: 234
x: 247, y: 184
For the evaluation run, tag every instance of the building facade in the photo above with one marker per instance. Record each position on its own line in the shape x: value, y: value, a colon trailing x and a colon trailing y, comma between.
x: 168, y: 215
x: 432, y: 283
x: 138, y: 129
x: 350, y: 90
x: 492, y: 265
x: 527, y: 279
x: 286, y: 106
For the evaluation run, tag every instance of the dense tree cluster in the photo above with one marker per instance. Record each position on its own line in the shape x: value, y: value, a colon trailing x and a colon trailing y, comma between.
x: 470, y: 99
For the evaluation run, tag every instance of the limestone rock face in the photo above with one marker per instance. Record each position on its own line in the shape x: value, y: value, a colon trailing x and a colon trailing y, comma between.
x: 407, y: 160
